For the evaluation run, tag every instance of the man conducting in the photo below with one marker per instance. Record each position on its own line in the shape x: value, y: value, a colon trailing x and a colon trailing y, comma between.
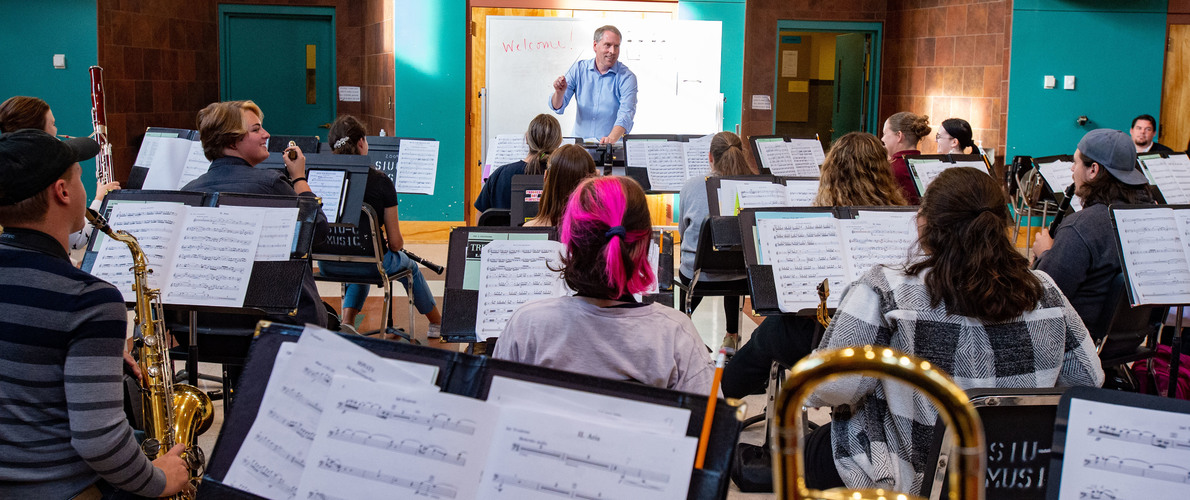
x: 63, y: 433
x: 605, y: 90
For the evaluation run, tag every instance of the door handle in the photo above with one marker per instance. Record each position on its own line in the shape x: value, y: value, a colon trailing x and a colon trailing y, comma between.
x: 325, y: 125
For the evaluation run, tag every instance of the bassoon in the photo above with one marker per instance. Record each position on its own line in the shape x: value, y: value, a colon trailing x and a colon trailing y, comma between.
x: 103, y: 162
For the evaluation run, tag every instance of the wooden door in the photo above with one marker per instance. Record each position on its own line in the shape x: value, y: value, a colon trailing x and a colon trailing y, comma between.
x: 1174, y: 129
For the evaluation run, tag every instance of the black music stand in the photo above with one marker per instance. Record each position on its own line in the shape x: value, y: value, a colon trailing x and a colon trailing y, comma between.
x: 633, y: 168
x: 471, y: 376
x: 526, y: 197
x: 355, y: 168
x: 921, y: 178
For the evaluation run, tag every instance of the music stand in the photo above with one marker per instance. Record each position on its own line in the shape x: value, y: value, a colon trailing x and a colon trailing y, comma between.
x: 355, y: 168
x: 526, y: 197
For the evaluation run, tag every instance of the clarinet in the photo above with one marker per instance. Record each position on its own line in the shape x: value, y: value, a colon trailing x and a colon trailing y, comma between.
x: 429, y: 265
x: 1062, y: 208
x: 103, y: 163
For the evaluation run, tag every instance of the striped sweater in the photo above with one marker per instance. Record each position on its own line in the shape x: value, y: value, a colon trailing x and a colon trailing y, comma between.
x: 881, y: 429
x: 62, y: 423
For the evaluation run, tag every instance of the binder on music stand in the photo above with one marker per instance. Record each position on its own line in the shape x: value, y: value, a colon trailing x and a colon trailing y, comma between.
x: 694, y: 160
x: 342, y: 180
x: 924, y: 168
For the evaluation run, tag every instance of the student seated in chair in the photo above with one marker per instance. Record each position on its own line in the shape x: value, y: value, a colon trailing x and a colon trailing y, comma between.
x: 543, y: 137
x: 1081, y: 256
x: 347, y: 137
x: 234, y: 139
x: 971, y: 307
x: 568, y: 166
x: 727, y: 158
x: 603, y: 330
x: 902, y: 132
x: 855, y: 173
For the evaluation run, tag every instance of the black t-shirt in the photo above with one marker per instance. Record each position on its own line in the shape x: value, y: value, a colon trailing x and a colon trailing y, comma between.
x: 380, y: 193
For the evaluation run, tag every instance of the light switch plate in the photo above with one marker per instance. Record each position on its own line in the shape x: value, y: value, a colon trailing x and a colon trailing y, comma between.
x: 59, y: 61
x: 1050, y: 81
x: 1068, y: 82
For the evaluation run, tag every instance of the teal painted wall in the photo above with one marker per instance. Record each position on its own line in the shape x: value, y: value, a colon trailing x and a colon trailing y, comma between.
x: 1114, y: 49
x: 33, y: 32
x: 731, y: 67
x: 430, y: 46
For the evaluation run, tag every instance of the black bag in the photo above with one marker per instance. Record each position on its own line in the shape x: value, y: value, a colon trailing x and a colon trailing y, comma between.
x: 752, y: 468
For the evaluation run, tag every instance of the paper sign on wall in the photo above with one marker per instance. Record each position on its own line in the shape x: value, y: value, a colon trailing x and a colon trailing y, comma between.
x: 788, y: 64
x: 762, y: 102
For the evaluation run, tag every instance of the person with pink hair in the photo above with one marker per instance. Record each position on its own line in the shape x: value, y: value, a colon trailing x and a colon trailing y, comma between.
x: 603, y: 330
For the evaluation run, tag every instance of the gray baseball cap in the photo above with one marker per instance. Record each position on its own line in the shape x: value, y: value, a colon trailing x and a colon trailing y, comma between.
x: 1115, y: 152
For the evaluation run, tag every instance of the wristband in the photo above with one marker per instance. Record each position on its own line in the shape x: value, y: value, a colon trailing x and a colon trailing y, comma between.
x: 295, y: 181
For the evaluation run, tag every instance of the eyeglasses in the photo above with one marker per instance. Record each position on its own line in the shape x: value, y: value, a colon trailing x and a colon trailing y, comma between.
x: 940, y: 137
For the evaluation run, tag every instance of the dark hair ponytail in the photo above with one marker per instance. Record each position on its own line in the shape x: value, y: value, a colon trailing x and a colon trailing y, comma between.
x: 345, y: 135
x: 961, y: 130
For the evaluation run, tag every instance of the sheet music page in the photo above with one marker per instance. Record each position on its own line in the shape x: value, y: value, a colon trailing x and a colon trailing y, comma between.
x: 504, y: 149
x: 806, y: 154
x: 815, y: 147
x: 196, y: 164
x: 728, y: 194
x: 667, y: 165
x: 1172, y: 176
x: 512, y: 273
x: 697, y: 153
x: 329, y: 185
x: 169, y: 159
x: 1124, y: 452
x: 155, y: 225
x: 927, y: 170
x: 382, y: 440
x: 801, y: 193
x: 877, y: 238
x: 148, y: 148
x: 278, y: 228
x: 655, y: 418
x: 802, y: 253
x: 761, y: 194
x: 538, y: 455
x: 638, y: 152
x: 213, y: 257
x: 417, y: 166
x: 1057, y: 174
x: 1154, y: 255
x: 774, y: 155
x: 271, y: 459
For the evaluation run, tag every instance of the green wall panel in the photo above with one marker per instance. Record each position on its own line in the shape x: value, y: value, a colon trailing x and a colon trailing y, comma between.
x: 32, y: 33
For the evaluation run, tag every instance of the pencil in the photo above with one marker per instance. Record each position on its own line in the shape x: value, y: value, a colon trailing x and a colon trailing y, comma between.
x: 710, y: 416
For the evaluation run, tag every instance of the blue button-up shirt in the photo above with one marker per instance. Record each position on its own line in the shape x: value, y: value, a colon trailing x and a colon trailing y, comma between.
x: 604, y: 100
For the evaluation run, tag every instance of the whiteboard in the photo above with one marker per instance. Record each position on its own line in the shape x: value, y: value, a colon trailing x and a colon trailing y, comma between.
x: 676, y: 65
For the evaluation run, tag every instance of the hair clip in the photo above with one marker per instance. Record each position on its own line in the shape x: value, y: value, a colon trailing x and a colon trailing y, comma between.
x: 341, y: 142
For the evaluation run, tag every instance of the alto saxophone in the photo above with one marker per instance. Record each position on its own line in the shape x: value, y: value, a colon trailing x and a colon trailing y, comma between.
x: 172, y: 413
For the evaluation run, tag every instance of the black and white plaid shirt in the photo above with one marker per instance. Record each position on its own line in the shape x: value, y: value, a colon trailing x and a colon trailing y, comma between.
x: 881, y: 429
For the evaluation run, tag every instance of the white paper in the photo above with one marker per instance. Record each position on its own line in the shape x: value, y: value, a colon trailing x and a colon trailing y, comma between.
x: 155, y: 225
x: 278, y: 227
x: 727, y: 195
x: 638, y: 152
x: 536, y: 455
x: 1171, y: 176
x: 504, y: 149
x: 512, y: 273
x: 272, y: 458
x: 788, y: 64
x: 655, y: 263
x: 381, y: 440
x: 168, y: 161
x: 802, y: 253
x: 196, y: 165
x: 1154, y: 253
x: 666, y: 165
x: 349, y: 93
x: 417, y: 166
x: 762, y: 102
x: 1114, y: 451
x: 761, y: 194
x: 213, y: 257
x: 807, y: 156
x: 330, y: 185
x: 697, y: 152
x: 873, y: 240
x: 1057, y: 174
x: 655, y: 418
x: 775, y: 156
x: 801, y: 193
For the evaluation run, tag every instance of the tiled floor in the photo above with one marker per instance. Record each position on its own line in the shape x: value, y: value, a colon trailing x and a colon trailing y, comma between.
x: 708, y: 318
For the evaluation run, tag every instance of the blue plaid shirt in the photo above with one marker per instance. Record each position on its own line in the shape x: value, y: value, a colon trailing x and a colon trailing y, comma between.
x: 604, y: 100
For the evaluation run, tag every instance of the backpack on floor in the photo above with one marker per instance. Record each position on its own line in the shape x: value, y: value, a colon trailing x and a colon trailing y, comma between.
x: 1153, y: 375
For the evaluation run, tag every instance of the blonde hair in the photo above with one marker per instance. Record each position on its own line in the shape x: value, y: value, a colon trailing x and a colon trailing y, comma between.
x: 913, y: 125
x: 221, y: 125
x: 856, y: 173
x: 727, y: 155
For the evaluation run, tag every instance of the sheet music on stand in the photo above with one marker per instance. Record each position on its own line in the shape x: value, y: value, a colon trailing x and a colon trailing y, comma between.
x: 669, y: 160
x: 410, y: 162
x: 1170, y: 172
x: 794, y: 249
x: 168, y: 159
x: 342, y: 195
x: 924, y: 168
x: 1056, y: 172
x: 1154, y: 244
x: 788, y: 156
x: 502, y: 150
x: 1113, y: 444
x: 348, y: 417
x: 727, y: 195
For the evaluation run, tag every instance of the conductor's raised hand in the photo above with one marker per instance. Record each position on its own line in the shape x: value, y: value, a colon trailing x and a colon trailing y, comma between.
x: 295, y: 167
x: 177, y: 475
x: 560, y: 84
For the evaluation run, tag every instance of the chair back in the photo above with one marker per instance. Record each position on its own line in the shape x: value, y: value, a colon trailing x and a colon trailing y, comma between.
x: 1121, y: 330
x: 495, y: 217
x: 707, y: 258
x: 346, y: 243
x: 1018, y: 427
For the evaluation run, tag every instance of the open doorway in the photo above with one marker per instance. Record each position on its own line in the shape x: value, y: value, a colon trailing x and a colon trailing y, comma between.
x: 826, y: 84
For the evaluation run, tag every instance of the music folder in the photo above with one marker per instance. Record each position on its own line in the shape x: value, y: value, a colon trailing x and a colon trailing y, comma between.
x: 339, y: 181
x: 924, y: 168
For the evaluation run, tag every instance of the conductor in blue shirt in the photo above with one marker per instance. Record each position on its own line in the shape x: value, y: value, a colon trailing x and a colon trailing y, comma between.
x: 605, y: 90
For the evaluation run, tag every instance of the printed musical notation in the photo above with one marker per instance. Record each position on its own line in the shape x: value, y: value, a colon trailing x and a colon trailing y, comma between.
x: 1171, y: 176
x: 225, y: 265
x: 796, y: 158
x: 670, y: 163
x: 1155, y: 255
x: 584, y: 460
x: 417, y: 166
x: 155, y: 225
x: 268, y: 476
x: 406, y: 446
x: 430, y: 422
x: 330, y: 186
x: 555, y: 488
x: 1139, y: 468
x: 504, y: 149
x: 428, y: 487
x: 512, y: 273
x: 1139, y: 436
x: 1099, y: 493
x: 801, y: 193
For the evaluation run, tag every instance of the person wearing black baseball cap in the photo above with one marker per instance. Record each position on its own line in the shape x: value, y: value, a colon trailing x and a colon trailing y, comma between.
x: 1082, y: 256
x: 63, y: 427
